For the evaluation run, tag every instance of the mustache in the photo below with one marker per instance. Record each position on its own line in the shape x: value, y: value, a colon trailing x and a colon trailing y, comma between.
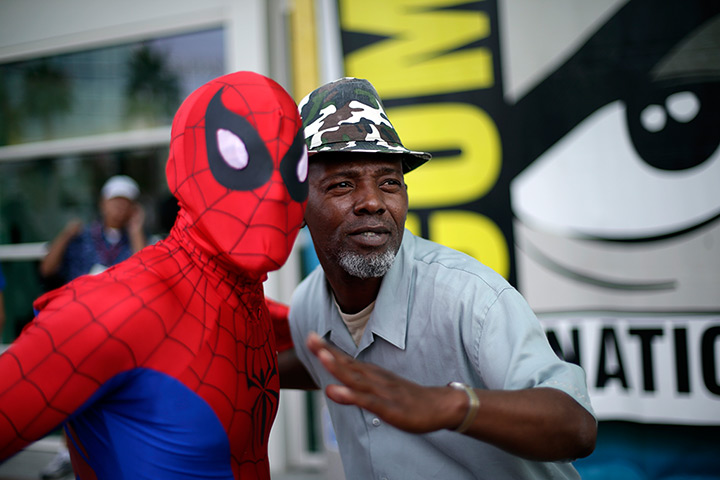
x: 374, y: 225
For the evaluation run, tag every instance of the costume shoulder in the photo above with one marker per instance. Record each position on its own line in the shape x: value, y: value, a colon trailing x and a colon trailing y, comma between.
x: 279, y: 316
x: 129, y: 309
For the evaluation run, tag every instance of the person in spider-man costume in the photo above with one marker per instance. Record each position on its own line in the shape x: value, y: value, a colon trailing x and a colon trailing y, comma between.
x: 165, y: 366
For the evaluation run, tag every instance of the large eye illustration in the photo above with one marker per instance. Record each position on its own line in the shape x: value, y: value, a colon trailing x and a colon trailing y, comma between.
x: 294, y: 169
x: 237, y: 156
x: 674, y: 127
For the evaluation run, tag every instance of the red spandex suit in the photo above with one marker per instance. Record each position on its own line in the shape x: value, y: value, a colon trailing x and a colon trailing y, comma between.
x: 164, y: 366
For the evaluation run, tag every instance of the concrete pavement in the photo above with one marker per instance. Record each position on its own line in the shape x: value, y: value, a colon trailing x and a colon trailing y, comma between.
x: 27, y: 464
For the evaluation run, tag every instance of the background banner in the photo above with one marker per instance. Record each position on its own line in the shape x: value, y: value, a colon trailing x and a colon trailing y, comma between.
x: 575, y: 152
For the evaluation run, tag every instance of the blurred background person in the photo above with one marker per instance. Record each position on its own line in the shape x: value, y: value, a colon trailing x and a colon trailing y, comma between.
x: 114, y: 237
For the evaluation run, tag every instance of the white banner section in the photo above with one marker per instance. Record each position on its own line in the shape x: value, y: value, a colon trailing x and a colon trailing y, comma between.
x: 648, y: 368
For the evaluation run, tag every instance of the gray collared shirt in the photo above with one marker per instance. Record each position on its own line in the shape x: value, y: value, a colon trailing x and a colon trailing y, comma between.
x: 440, y: 316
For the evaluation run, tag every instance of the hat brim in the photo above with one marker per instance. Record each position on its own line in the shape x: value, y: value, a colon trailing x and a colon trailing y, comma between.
x: 411, y: 159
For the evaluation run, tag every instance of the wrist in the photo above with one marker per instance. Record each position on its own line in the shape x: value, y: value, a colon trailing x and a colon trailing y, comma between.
x: 68, y: 234
x: 472, y: 405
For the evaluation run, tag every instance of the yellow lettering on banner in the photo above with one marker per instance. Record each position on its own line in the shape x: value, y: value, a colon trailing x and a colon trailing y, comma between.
x: 474, y: 234
x: 460, y: 127
x: 423, y: 42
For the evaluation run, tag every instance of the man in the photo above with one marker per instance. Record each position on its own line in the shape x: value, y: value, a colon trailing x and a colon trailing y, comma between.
x: 79, y: 250
x: 164, y: 366
x: 444, y: 370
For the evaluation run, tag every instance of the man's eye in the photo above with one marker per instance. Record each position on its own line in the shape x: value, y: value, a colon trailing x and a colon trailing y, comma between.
x: 339, y: 185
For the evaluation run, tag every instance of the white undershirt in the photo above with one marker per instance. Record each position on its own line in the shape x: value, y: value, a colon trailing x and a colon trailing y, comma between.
x: 112, y: 235
x: 356, y: 322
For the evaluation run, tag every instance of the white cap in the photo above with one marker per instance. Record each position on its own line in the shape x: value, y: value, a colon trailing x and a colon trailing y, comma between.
x: 120, y: 186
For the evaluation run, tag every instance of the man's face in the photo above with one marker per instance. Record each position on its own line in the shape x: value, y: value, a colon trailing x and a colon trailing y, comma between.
x: 117, y: 211
x: 356, y: 211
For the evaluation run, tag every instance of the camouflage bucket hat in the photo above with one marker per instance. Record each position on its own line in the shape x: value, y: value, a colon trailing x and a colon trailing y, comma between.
x: 347, y: 116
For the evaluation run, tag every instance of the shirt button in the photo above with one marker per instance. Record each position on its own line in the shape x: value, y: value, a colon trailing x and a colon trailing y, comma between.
x: 376, y: 423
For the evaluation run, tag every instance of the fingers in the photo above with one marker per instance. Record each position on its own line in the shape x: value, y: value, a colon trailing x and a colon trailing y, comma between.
x: 314, y: 342
x: 73, y: 227
x: 139, y: 213
x: 328, y: 355
x: 334, y: 361
x: 330, y: 358
x: 137, y: 218
x: 394, y: 399
x: 341, y: 394
x: 359, y: 378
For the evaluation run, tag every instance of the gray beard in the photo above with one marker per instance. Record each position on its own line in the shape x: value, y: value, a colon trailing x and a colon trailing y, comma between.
x: 371, y: 266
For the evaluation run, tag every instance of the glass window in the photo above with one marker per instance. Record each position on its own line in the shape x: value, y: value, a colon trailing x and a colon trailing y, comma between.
x: 111, y: 89
x: 107, y: 90
x: 38, y: 198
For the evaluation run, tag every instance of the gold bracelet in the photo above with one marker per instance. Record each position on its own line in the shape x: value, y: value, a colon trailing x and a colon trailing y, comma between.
x: 473, y: 407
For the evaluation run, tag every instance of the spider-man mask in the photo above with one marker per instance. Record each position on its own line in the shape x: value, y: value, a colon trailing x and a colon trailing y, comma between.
x: 238, y: 167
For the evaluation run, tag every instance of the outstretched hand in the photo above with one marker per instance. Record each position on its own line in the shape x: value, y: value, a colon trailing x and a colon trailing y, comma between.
x: 399, y: 402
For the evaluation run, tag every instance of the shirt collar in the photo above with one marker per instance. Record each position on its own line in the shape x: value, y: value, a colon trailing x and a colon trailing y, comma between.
x: 389, y: 318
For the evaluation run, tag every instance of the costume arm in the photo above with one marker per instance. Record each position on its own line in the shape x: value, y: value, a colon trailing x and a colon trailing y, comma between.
x: 292, y: 372
x: 281, y: 326
x: 51, y: 370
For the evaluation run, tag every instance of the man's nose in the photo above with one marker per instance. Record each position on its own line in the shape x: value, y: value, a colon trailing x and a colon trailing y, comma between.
x: 370, y: 200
